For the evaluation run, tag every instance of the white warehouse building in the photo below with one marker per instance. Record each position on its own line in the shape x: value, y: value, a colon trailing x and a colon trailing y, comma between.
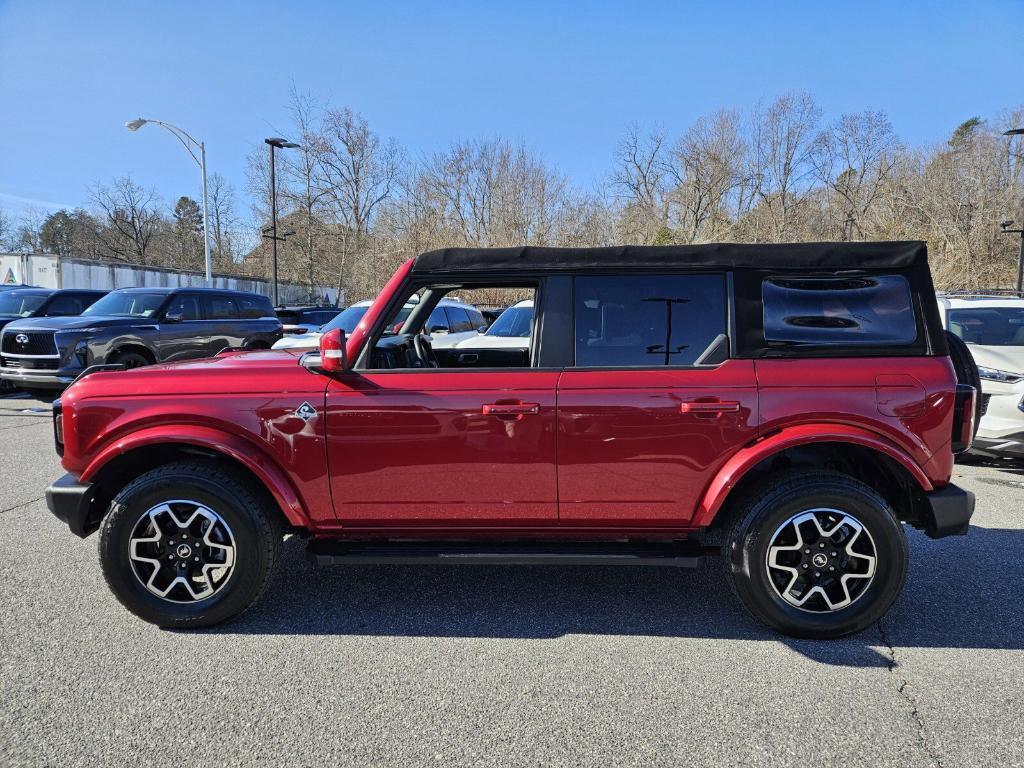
x: 50, y: 271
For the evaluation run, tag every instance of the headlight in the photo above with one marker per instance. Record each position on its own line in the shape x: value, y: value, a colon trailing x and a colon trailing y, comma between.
x: 993, y: 374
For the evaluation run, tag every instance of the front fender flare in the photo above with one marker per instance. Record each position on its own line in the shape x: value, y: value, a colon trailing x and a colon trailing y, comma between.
x: 241, y: 450
x: 745, y: 459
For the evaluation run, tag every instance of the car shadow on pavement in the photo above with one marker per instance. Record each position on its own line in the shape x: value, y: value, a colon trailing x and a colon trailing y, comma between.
x: 961, y: 593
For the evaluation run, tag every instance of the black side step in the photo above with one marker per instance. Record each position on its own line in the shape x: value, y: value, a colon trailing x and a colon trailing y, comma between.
x: 673, y: 555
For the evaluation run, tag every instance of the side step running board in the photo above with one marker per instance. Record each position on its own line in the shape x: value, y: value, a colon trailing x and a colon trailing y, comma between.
x: 330, y: 552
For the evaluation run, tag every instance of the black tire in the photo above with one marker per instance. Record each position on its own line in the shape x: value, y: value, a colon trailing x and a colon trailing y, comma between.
x: 254, y: 526
x: 768, y: 509
x: 966, y: 371
x: 131, y: 359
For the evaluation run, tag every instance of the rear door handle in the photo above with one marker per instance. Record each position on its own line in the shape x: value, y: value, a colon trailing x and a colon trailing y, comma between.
x: 510, y: 409
x: 715, y: 406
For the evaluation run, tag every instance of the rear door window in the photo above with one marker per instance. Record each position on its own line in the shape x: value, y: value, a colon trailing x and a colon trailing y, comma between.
x: 219, y: 308
x: 647, y: 321
x: 876, y: 310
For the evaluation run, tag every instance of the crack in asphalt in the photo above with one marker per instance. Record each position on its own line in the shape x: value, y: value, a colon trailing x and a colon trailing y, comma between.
x: 33, y: 423
x: 23, y: 504
x: 901, y: 689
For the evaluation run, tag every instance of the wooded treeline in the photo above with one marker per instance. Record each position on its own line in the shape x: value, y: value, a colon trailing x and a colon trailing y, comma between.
x: 355, y: 204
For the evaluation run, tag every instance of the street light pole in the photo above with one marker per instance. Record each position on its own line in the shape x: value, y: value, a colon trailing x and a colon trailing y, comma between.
x: 1007, y: 224
x: 275, y: 143
x: 191, y: 145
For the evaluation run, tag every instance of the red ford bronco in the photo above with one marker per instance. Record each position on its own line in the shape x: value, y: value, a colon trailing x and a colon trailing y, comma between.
x: 787, y: 407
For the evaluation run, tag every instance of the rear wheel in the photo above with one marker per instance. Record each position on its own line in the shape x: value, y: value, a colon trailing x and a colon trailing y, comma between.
x: 817, y: 554
x: 188, y: 545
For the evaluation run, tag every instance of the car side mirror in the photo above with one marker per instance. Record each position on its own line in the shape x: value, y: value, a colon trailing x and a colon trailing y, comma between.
x: 173, y: 317
x: 438, y: 329
x: 482, y: 329
x: 333, y: 352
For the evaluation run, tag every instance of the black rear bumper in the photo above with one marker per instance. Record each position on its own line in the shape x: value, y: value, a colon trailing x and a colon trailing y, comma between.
x: 71, y: 502
x: 949, y: 511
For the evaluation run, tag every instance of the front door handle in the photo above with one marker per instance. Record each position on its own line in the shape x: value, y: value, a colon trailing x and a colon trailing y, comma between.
x: 515, y: 410
x: 710, y: 407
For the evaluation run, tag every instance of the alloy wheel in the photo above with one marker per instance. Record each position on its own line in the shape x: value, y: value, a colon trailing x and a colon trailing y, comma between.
x: 821, y: 560
x: 182, y: 551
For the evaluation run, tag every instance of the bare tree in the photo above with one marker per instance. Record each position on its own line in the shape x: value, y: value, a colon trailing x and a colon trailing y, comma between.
x: 306, y: 196
x: 707, y: 167
x: 28, y: 237
x: 638, y: 179
x: 6, y: 231
x: 223, y: 221
x: 855, y: 158
x: 783, y: 142
x: 129, y: 219
x: 357, y: 172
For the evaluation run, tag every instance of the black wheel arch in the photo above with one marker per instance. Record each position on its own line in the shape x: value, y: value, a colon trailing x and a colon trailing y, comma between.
x: 121, y: 470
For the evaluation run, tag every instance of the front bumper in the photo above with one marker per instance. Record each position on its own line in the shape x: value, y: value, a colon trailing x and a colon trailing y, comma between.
x: 71, y: 502
x: 41, y: 379
x: 949, y: 512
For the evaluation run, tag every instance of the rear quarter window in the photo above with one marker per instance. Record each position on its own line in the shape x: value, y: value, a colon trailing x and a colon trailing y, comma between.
x: 255, y: 307
x: 875, y: 310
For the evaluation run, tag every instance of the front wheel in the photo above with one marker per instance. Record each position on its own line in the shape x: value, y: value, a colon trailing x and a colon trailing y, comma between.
x: 817, y: 554
x: 132, y: 360
x: 188, y: 545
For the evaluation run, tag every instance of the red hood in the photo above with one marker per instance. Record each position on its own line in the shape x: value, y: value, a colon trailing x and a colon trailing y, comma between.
x: 270, y: 371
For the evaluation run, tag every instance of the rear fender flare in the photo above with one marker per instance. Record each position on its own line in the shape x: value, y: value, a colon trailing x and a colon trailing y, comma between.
x: 241, y: 450
x: 744, y: 460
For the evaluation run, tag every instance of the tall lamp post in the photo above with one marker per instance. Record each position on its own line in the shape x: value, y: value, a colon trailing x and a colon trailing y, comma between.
x: 1007, y: 224
x: 192, y: 147
x: 275, y: 143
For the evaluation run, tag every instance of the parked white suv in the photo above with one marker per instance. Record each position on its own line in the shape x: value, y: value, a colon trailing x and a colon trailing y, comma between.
x: 993, y: 328
x: 451, y: 321
x: 510, y: 331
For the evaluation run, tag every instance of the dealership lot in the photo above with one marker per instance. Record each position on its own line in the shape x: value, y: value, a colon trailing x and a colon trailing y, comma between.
x: 501, y: 665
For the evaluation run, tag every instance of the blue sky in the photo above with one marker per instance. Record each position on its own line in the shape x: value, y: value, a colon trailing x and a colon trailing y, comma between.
x: 564, y: 77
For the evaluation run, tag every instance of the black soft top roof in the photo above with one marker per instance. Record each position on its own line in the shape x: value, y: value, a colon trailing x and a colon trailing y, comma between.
x: 802, y: 256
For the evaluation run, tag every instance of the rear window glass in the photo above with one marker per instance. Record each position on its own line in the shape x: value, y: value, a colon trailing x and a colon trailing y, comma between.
x: 219, y: 308
x: 875, y: 310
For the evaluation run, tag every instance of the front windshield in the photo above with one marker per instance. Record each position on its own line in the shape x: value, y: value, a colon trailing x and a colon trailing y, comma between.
x: 513, y: 322
x: 20, y: 304
x: 127, y: 305
x: 989, y: 326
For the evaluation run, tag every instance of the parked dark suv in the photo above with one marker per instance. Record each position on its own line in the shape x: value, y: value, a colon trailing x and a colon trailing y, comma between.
x: 20, y: 301
x: 134, y: 327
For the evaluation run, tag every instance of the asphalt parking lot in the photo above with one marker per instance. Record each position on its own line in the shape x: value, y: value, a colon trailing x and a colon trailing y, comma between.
x: 501, y: 665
